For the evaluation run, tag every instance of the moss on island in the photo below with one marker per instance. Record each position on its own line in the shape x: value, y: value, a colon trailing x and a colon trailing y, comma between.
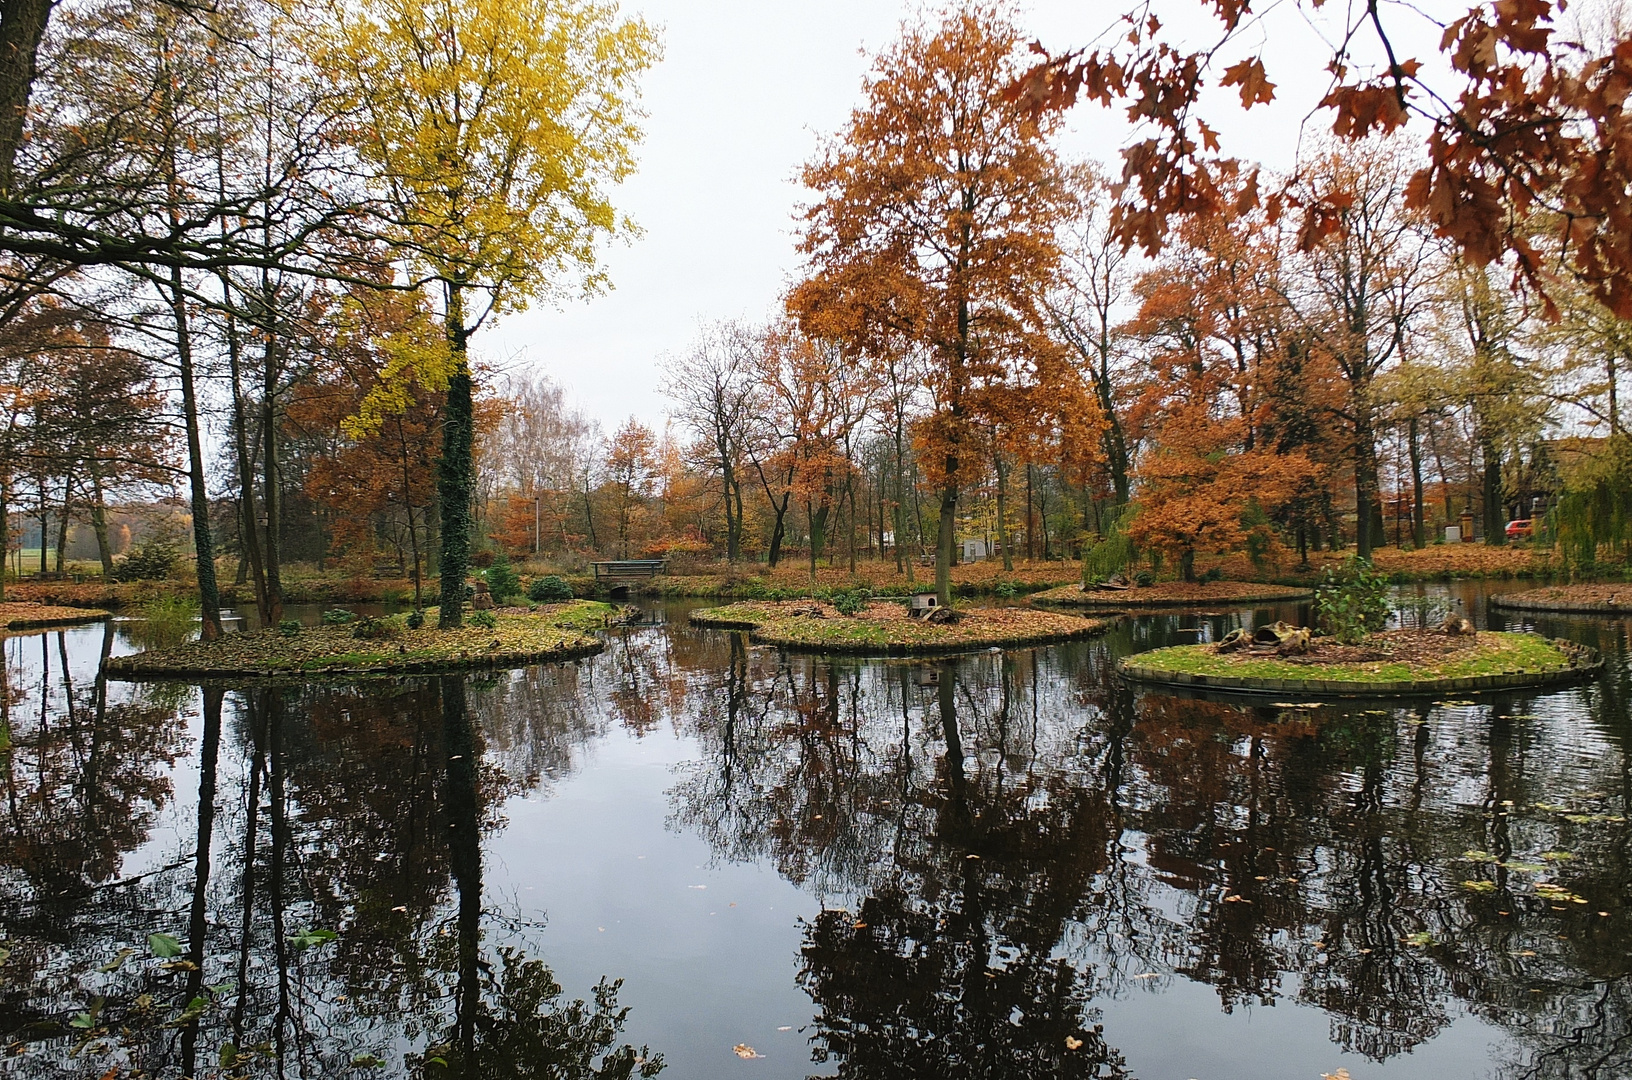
x: 1392, y: 663
x: 1172, y: 594
x: 883, y: 628
x: 518, y: 637
x: 25, y: 615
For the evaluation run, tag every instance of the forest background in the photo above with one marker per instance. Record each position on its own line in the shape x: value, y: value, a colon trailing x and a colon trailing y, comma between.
x: 245, y: 255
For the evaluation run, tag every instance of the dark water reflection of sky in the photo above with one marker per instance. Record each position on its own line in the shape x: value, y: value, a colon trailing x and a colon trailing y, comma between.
x: 1003, y: 866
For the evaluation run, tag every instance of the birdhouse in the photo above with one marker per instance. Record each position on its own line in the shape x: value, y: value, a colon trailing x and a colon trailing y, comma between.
x: 921, y: 604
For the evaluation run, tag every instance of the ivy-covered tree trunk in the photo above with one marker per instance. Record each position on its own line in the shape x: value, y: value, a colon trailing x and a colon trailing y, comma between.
x: 456, y: 468
x: 209, y: 595
x: 1495, y: 506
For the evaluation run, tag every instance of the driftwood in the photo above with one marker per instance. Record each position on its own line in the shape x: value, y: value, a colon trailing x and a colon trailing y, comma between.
x: 1278, y: 638
x: 942, y: 615
x: 1115, y: 583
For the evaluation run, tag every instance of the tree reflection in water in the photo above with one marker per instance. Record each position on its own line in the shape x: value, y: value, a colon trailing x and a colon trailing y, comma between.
x: 356, y: 810
x: 1004, y: 840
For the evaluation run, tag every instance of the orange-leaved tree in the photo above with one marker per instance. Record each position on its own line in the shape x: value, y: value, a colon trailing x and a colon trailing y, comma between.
x: 934, y: 225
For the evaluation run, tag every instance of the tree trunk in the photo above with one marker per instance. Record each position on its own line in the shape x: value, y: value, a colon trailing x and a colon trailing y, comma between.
x: 1368, y: 512
x: 271, y: 503
x: 945, y: 541
x: 248, y: 529
x: 209, y: 596
x: 5, y: 534
x: 62, y: 522
x: 1003, y: 511
x: 1419, y: 524
x: 99, y: 520
x: 455, y: 469
x: 1495, y: 508
x: 22, y: 26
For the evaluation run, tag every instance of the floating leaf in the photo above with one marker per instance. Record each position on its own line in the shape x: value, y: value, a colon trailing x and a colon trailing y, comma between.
x: 1557, y: 893
x: 746, y: 1052
x: 368, y: 1061
x: 1073, y: 1043
x: 164, y: 946
x: 1479, y: 856
x: 306, y: 939
x: 1557, y: 856
x: 1422, y: 939
x: 1550, y: 807
x: 1480, y: 886
x: 118, y: 961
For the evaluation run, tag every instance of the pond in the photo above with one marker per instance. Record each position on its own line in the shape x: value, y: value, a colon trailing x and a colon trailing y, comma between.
x: 698, y: 854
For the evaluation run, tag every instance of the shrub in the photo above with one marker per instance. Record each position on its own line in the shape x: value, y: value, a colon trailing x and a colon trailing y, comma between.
x: 338, y: 617
x: 415, y: 619
x: 1113, y: 553
x: 289, y: 627
x: 482, y: 558
x: 549, y: 590
x: 1007, y: 590
x: 1353, y: 602
x: 1215, y: 574
x: 369, y: 628
x: 154, y: 560
x: 850, y: 601
x: 485, y: 619
x: 166, y: 620
x: 501, y: 579
x: 1144, y: 579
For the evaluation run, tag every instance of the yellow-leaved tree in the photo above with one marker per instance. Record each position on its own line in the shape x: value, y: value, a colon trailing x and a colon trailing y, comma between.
x: 491, y: 132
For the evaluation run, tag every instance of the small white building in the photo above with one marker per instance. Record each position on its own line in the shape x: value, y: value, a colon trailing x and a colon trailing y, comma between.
x: 973, y: 551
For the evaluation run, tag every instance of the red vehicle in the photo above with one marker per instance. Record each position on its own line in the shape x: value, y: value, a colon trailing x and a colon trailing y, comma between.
x: 1520, y: 529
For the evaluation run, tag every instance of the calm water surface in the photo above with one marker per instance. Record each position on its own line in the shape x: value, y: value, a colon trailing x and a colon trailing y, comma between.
x: 1006, y: 865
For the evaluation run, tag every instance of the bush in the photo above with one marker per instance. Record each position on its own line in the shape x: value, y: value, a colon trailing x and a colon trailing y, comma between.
x: 484, y: 619
x: 1007, y: 590
x: 369, y: 628
x: 1215, y: 574
x: 1353, y: 602
x: 482, y: 558
x: 1144, y: 579
x: 501, y: 579
x: 549, y: 590
x: 1113, y: 553
x: 166, y: 620
x: 154, y: 560
x: 850, y: 601
x: 415, y: 619
x: 289, y: 627
x: 338, y: 617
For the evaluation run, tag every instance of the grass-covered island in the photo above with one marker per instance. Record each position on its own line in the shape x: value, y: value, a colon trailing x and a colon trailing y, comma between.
x: 1393, y: 662
x: 30, y: 616
x: 883, y: 628
x: 386, y: 646
x: 1603, y: 599
x: 1170, y: 594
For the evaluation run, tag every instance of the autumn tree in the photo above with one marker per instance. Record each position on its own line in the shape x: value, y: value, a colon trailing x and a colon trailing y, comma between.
x: 631, y: 465
x: 1529, y: 149
x: 934, y: 224
x: 495, y: 129
x: 712, y: 388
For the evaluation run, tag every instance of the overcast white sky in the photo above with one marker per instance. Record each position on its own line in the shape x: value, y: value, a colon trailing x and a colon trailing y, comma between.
x: 744, y: 91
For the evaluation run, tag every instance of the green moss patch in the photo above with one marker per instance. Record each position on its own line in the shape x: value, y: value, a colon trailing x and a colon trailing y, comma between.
x: 31, y: 616
x: 1488, y: 661
x: 518, y: 637
x: 883, y: 628
x: 1171, y: 594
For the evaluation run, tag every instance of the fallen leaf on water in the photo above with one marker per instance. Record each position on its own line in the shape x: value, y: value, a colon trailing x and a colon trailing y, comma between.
x: 696, y: 886
x: 1341, y: 1074
x: 1148, y: 975
x: 785, y: 1027
x: 744, y: 1051
x: 1072, y: 1042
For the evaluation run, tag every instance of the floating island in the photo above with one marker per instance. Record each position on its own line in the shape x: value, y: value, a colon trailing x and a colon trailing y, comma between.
x: 1289, y: 660
x: 387, y: 646
x: 885, y: 628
